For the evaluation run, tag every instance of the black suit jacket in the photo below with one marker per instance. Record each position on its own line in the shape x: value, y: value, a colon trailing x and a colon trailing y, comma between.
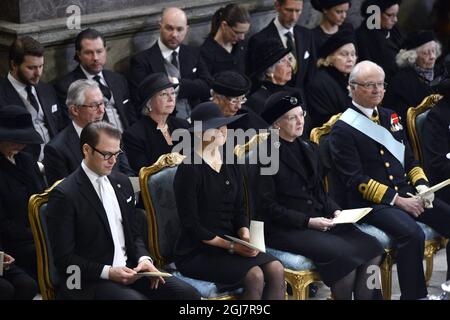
x: 47, y: 99
x: 79, y: 230
x: 63, y: 155
x: 116, y: 83
x: 436, y: 145
x: 295, y: 193
x: 194, y: 82
x: 306, y: 52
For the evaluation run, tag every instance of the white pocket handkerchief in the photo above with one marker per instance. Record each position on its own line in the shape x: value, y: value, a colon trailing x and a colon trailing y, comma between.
x: 129, y: 199
x: 194, y: 70
x: 306, y: 56
x: 125, y: 101
x: 54, y: 108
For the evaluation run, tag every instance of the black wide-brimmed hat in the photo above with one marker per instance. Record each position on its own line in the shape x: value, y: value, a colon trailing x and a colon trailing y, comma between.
x: 153, y: 84
x: 211, y: 116
x: 320, y: 5
x: 231, y: 83
x: 337, y: 40
x: 279, y: 103
x: 16, y: 126
x: 382, y: 4
x: 418, y: 38
x: 268, y: 53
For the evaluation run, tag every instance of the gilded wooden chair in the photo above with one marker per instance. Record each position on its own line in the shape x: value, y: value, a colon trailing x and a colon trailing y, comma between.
x: 48, y: 278
x: 415, y: 119
x: 299, y: 271
x: 156, y: 182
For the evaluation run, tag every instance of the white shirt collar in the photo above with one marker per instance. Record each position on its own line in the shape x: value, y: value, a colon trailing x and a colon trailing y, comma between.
x: 366, y: 111
x: 19, y: 86
x: 90, y: 76
x: 77, y: 128
x: 91, y: 174
x: 281, y: 29
x: 166, y: 52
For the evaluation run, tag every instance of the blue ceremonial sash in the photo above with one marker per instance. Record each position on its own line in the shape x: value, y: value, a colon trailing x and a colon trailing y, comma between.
x: 376, y: 132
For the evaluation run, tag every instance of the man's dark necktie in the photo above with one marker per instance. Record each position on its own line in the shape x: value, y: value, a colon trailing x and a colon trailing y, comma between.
x: 174, y: 60
x: 105, y: 90
x: 32, y: 98
x: 290, y: 43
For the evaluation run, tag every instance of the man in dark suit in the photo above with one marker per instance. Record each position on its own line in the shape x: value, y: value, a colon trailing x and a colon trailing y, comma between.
x: 374, y: 161
x: 436, y: 142
x: 90, y: 52
x: 62, y: 155
x: 180, y: 62
x: 93, y: 227
x: 23, y: 87
x: 284, y: 28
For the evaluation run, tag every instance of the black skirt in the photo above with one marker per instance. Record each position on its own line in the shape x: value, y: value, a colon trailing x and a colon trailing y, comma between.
x: 217, y: 265
x: 335, y: 253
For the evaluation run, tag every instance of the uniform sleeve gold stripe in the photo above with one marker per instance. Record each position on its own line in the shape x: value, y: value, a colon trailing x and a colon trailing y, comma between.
x: 416, y: 174
x: 372, y: 191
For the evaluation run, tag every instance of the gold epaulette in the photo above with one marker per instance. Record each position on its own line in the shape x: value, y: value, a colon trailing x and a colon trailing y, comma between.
x: 373, y: 191
x: 416, y: 174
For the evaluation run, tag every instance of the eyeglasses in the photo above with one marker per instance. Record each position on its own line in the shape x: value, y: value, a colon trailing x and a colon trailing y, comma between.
x: 237, y: 100
x: 94, y: 105
x: 107, y: 155
x: 165, y: 95
x: 294, y: 117
x: 237, y: 33
x: 371, y: 85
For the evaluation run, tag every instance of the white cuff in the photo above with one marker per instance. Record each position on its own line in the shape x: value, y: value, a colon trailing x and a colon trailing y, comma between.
x: 105, y: 273
x: 393, y: 200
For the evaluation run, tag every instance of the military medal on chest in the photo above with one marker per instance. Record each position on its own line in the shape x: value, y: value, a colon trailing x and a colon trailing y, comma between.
x: 395, y: 123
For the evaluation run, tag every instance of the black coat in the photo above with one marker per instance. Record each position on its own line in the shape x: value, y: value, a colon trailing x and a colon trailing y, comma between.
x: 373, y: 45
x: 80, y: 233
x: 306, y: 52
x: 116, y: 83
x: 217, y: 59
x: 18, y: 183
x: 320, y: 37
x: 406, y: 89
x: 144, y: 144
x: 327, y: 95
x: 194, y: 82
x: 436, y: 145
x: 370, y: 173
x: 258, y: 98
x: 63, y: 155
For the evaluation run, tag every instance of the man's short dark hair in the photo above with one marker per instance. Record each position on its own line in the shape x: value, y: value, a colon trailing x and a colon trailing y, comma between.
x: 90, y: 34
x: 24, y: 46
x: 91, y: 133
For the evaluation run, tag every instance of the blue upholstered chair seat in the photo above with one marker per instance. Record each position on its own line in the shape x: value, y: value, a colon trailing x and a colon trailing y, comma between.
x: 207, y: 289
x: 292, y: 261
x: 430, y: 234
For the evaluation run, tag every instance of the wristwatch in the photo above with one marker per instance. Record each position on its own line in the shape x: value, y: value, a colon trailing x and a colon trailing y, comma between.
x: 231, y: 248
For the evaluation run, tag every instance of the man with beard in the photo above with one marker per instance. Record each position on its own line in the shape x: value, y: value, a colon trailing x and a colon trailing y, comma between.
x: 23, y: 87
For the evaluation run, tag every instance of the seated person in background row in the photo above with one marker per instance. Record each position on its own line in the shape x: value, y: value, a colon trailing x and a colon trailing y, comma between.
x: 327, y: 94
x: 274, y: 71
x: 15, y: 284
x: 436, y: 142
x: 91, y: 54
x: 298, y: 212
x: 412, y: 83
x: 20, y: 178
x: 181, y: 63
x: 228, y: 92
x: 210, y: 200
x: 151, y: 136
x: 374, y: 161
x: 63, y: 155
x: 92, y: 224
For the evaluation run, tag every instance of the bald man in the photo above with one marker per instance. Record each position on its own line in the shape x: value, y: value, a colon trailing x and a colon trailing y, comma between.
x: 180, y: 62
x: 373, y: 159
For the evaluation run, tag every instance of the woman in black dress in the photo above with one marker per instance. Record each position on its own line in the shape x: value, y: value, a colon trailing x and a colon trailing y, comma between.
x: 225, y: 49
x: 20, y: 178
x: 380, y: 43
x: 334, y: 13
x: 151, y: 136
x: 412, y: 83
x: 297, y: 212
x: 327, y: 94
x: 210, y: 200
